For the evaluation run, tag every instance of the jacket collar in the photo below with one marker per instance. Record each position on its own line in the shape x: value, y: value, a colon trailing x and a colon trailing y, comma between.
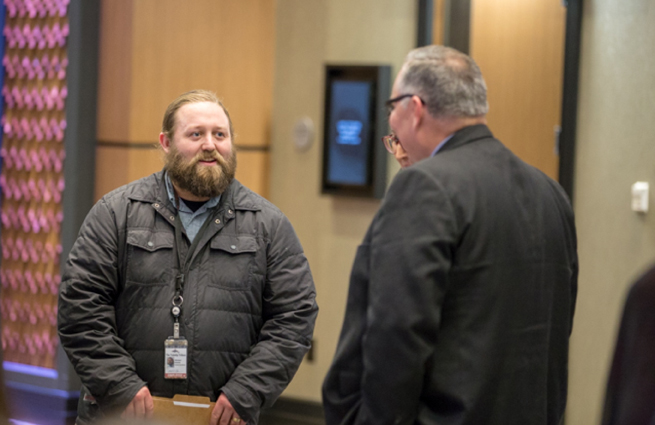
x: 467, y: 135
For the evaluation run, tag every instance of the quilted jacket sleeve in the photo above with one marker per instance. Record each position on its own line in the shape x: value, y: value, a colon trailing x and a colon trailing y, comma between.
x: 86, y: 319
x: 289, y: 313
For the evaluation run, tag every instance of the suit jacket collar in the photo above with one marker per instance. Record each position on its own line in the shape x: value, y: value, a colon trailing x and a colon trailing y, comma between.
x: 467, y: 135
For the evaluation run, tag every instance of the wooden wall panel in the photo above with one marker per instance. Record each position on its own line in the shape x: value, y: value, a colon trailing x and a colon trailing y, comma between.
x: 253, y: 170
x: 519, y: 45
x: 220, y: 45
x: 117, y: 165
x: 154, y: 50
x: 438, y: 21
x: 111, y: 169
x: 114, y: 70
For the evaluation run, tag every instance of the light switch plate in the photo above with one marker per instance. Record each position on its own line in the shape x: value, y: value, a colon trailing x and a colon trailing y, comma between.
x: 640, y: 197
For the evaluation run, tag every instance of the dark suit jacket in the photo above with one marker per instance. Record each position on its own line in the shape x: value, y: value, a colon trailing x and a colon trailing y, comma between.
x: 630, y: 398
x: 461, y: 296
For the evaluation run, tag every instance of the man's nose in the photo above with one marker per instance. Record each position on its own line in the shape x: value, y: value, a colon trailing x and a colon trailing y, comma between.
x: 208, y: 143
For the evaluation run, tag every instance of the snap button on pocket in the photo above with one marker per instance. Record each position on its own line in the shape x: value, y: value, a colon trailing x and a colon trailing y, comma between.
x: 218, y: 221
x: 234, y: 245
x: 150, y: 244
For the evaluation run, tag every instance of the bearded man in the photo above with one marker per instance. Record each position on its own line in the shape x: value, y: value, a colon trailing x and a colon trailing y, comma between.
x: 186, y: 282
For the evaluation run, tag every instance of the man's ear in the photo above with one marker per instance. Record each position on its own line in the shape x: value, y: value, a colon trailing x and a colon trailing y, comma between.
x: 165, y: 142
x: 418, y: 110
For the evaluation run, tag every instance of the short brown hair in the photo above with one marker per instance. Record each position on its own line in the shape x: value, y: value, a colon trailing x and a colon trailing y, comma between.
x: 193, y: 96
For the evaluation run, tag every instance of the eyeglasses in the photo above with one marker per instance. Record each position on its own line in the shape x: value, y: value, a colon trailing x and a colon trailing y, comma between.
x: 390, y: 142
x: 390, y: 104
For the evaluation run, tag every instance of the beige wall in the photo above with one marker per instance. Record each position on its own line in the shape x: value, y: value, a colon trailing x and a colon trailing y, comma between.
x: 309, y: 34
x: 615, y: 148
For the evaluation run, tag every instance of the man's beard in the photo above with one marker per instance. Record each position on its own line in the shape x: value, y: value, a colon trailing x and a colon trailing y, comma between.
x: 203, y: 181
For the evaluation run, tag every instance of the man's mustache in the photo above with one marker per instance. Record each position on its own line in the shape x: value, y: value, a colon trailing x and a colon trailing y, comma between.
x: 209, y: 156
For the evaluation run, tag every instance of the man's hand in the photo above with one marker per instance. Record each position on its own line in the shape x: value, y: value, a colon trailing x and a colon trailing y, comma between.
x: 141, y: 406
x: 224, y: 413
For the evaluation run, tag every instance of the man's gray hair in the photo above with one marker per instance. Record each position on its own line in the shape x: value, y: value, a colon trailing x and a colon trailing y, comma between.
x: 448, y: 81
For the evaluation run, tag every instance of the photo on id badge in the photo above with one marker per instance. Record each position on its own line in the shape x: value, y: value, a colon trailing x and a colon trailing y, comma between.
x: 175, y: 355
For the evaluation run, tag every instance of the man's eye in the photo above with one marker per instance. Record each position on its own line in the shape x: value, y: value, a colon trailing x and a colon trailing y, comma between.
x: 220, y: 134
x: 195, y: 134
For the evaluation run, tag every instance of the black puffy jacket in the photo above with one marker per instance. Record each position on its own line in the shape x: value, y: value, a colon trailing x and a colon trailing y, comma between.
x: 249, y: 301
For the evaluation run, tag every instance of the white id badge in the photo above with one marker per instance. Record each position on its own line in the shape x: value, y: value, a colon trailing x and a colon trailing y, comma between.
x: 175, y: 355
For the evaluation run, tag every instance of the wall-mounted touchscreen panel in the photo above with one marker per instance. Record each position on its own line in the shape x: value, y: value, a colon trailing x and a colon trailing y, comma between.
x: 354, y: 158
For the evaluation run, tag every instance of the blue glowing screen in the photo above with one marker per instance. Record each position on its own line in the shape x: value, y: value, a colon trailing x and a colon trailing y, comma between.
x: 349, y: 132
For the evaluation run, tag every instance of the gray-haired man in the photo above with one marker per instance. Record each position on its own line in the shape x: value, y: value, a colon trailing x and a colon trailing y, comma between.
x: 462, y: 293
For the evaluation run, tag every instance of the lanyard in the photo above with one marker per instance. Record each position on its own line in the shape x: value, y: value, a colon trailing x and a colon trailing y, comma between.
x: 183, y: 266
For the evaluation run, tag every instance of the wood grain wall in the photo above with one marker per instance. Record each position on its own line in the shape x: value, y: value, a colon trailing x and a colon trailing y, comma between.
x: 519, y: 46
x: 151, y: 51
x: 438, y: 21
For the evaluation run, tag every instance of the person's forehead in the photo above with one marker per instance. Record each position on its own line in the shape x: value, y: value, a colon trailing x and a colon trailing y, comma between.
x: 201, y: 113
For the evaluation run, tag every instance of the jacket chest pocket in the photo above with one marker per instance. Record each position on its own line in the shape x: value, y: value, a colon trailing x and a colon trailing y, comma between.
x: 150, y: 258
x: 232, y: 262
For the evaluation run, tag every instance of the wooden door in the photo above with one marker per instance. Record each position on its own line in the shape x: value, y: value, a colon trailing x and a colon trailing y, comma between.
x: 519, y: 46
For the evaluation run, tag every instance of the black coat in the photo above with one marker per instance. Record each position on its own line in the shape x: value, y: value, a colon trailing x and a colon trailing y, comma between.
x: 630, y: 398
x: 461, y: 296
x: 248, y: 311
